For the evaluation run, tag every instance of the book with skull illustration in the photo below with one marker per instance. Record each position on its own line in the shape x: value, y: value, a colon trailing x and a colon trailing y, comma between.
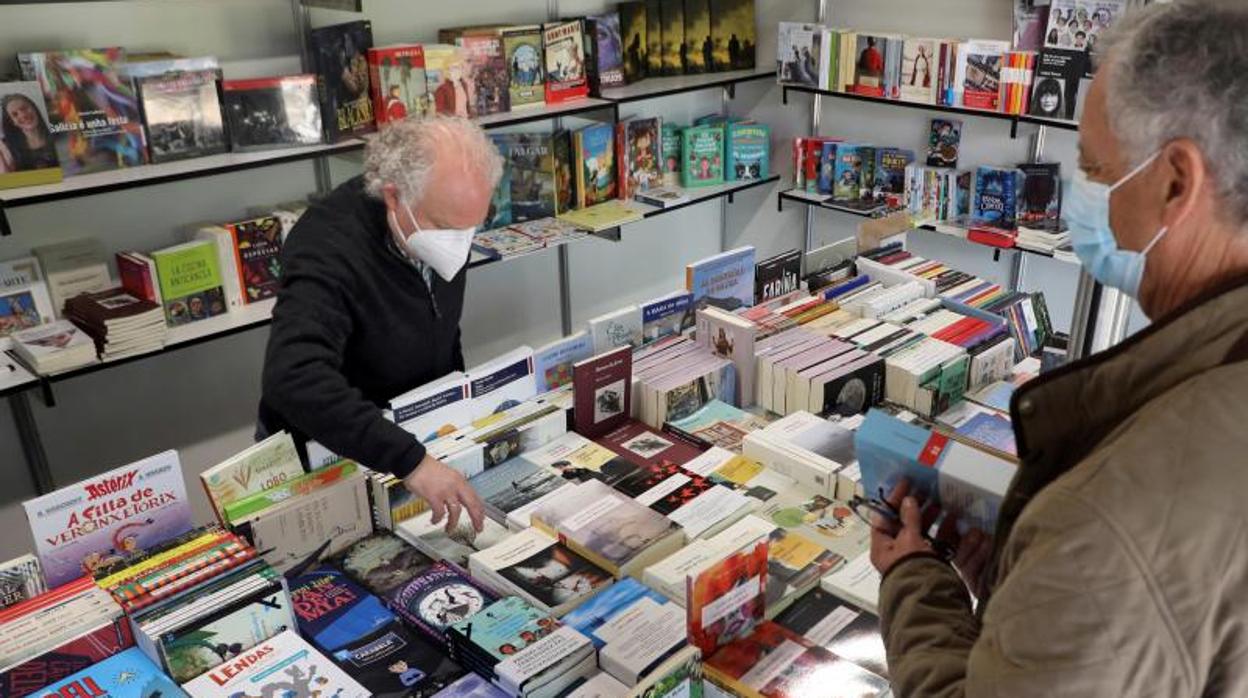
x: 601, y: 386
x: 438, y: 597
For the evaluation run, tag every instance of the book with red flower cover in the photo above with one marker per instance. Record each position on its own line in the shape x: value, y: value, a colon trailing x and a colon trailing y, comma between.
x: 728, y: 599
x: 602, y: 392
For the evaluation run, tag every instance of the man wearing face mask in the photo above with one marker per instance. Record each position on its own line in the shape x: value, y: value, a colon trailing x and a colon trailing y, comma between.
x: 1119, y: 566
x: 371, y: 297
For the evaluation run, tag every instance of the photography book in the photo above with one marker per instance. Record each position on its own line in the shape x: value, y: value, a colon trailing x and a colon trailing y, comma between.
x: 182, y: 114
x: 32, y: 152
x: 602, y: 389
x: 381, y: 562
x: 276, y: 112
x: 340, y: 53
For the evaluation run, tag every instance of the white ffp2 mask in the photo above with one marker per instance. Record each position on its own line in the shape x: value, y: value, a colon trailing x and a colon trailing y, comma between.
x: 446, y: 251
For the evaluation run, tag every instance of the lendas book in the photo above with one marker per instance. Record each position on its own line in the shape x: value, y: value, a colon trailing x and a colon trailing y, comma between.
x: 80, y: 528
x: 284, y: 665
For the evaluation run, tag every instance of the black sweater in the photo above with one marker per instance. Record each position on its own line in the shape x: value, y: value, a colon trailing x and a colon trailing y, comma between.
x: 355, y: 326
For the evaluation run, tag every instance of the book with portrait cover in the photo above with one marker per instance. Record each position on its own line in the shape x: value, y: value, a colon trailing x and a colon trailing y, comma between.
x: 93, y: 115
x: 633, y: 34
x: 733, y: 33
x: 919, y: 70
x: 1055, y: 89
x: 449, y: 80
x: 566, y: 76
x: 269, y: 113
x: 340, y: 53
x: 538, y: 568
x: 699, y: 56
x: 641, y: 155
x: 602, y: 389
x: 27, y: 148
x: 728, y: 599
x: 284, y: 663
x: 397, y: 82
x: 522, y: 49
x: 128, y: 674
x: 594, y: 148
x: 702, y: 163
x: 84, y: 526
x: 182, y: 114
x: 487, y: 63
x: 610, y: 50
x: 672, y: 13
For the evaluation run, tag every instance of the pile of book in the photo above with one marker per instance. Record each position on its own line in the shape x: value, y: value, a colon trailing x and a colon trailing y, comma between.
x: 120, y: 324
x: 54, y: 347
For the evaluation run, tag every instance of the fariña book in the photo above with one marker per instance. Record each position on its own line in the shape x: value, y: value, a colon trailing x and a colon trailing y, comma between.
x: 109, y: 517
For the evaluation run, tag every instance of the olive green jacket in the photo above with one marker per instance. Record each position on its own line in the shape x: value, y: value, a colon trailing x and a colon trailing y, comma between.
x: 1120, y: 565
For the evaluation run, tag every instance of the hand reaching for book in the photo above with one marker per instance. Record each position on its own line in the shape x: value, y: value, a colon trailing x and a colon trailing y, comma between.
x: 447, y: 492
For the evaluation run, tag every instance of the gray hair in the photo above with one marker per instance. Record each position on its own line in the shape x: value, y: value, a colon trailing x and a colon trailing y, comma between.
x: 1180, y: 70
x: 403, y: 154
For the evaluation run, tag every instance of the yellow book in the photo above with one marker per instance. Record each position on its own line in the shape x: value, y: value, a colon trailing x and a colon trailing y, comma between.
x: 605, y: 216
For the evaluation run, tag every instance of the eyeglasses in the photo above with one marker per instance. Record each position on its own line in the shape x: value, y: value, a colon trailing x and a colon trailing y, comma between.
x: 872, y: 510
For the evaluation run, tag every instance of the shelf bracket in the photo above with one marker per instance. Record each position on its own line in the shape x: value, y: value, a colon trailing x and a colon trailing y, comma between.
x: 1013, y: 129
x: 32, y: 445
x: 5, y: 230
x: 731, y: 90
x: 780, y: 202
x: 730, y: 199
x: 996, y: 254
x: 45, y: 392
x: 784, y: 96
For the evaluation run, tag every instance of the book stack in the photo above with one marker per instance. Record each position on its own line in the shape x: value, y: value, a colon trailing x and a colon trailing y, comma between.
x: 811, y: 450
x: 539, y: 569
x: 121, y: 324
x: 46, y: 638
x: 276, y: 665
x: 1041, y: 240
x: 20, y: 578
x: 521, y: 649
x: 54, y: 347
x: 985, y: 337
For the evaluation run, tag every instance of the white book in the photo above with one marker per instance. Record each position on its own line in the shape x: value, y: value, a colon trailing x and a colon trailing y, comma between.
x: 615, y: 329
x: 436, y: 409
x: 20, y: 579
x: 668, y: 576
x: 536, y: 567
x: 857, y: 582
x: 434, y: 541
x: 227, y: 261
x: 320, y: 523
x: 285, y: 663
x: 56, y: 346
x: 263, y: 465
x: 73, y: 267
x: 502, y: 383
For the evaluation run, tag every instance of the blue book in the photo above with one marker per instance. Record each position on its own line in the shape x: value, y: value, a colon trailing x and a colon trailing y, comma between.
x: 334, y: 611
x: 552, y: 364
x: 992, y: 430
x: 827, y: 168
x: 128, y: 674
x: 633, y: 628
x: 996, y: 197
x: 666, y: 316
x: 847, y: 185
x: 500, y: 204
x: 749, y: 152
x: 725, y: 281
x: 847, y: 287
x: 607, y: 604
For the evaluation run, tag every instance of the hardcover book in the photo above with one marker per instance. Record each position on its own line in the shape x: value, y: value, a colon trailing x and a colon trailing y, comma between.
x: 675, y: 48
x: 595, y: 158
x: 272, y: 112
x: 610, y: 50
x: 535, y: 566
x: 566, y: 76
x: 890, y: 172
x: 725, y: 281
x: 654, y: 38
x: 797, y: 53
x: 92, y: 112
x: 996, y: 197
x: 602, y: 389
x: 847, y: 182
x: 641, y: 156
x: 257, y: 248
x: 128, y: 674
x: 733, y: 32
x: 703, y: 156
x: 531, y: 168
x: 398, y: 83
x: 522, y: 49
x: 944, y: 142
x: 79, y: 528
x: 748, y: 152
x: 437, y: 598
x: 633, y: 34
x: 31, y: 157
x: 700, y: 50
x: 259, y: 467
x: 283, y: 663
x: 342, y: 77
x: 190, y: 282
x: 487, y: 63
x: 182, y: 115
x: 633, y: 628
x: 449, y: 79
x: 727, y: 600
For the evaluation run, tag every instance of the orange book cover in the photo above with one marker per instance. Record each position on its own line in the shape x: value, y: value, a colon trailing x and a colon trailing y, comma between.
x: 728, y: 599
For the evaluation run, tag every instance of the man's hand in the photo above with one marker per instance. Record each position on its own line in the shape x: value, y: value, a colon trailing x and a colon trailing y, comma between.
x: 447, y: 492
x: 893, y: 540
x: 971, y: 558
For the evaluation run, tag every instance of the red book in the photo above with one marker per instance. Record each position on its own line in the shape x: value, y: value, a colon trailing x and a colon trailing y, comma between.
x: 138, y: 276
x: 602, y: 390
x: 642, y: 445
x: 993, y: 237
x: 566, y: 78
x: 398, y: 85
x: 30, y: 677
x: 727, y: 600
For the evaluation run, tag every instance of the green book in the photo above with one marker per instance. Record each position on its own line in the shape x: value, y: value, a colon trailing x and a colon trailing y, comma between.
x: 523, y: 49
x: 703, y: 161
x: 748, y: 152
x: 245, y: 509
x: 671, y: 154
x: 190, y: 282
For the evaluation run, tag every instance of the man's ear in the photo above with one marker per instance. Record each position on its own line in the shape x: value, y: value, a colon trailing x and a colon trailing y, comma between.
x: 390, y: 195
x: 1187, y: 172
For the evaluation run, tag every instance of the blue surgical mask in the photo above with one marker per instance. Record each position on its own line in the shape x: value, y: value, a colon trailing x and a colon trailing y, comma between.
x: 1087, y: 216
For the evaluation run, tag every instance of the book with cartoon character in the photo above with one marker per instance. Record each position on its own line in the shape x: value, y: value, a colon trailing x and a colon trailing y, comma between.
x: 285, y: 665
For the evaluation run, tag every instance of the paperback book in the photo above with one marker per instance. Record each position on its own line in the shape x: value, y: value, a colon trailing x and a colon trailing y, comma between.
x: 256, y: 245
x: 259, y: 467
x: 284, y: 663
x: 341, y: 55
x: 699, y: 49
x: 775, y: 661
x: 182, y: 115
x: 727, y: 600
x: 595, y: 158
x: 552, y: 364
x: 382, y: 562
x: 128, y: 674
x: 641, y: 156
x: 619, y: 328
x: 633, y: 35
x: 725, y: 280
x: 449, y: 80
x: 190, y: 282
x: 454, y: 546
x: 944, y: 142
x: 522, y: 49
x: 675, y: 49
x: 634, y: 629
x: 847, y: 632
x: 566, y: 75
x: 31, y: 153
x: 487, y: 64
x: 535, y: 566
x: 748, y: 152
x: 667, y: 316
x: 733, y: 32
x: 20, y: 579
x: 609, y: 50
x: 437, y: 598
x: 703, y: 156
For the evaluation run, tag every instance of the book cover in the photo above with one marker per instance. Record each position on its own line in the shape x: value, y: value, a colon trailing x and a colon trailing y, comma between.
x: 340, y: 52
x: 182, y: 115
x: 552, y: 364
x: 703, y: 156
x: 81, y: 527
x: 502, y: 383
x: 775, y: 661
x: 610, y: 49
x: 654, y: 38
x: 1041, y: 202
x: 334, y: 611
x: 605, y: 526
x: 672, y: 148
x: 32, y: 675
x: 454, y: 547
x: 634, y: 39
x: 190, y: 282
x: 258, y: 249
x: 439, y: 597
x: 381, y: 562
x: 595, y: 157
x: 93, y: 115
x: 522, y: 49
x: 667, y: 316
x: 314, y: 525
x: 825, y: 620
x: 643, y: 155
x: 227, y: 632
x: 672, y: 14
x: 944, y: 142
x: 890, y: 172
x: 266, y: 464
x: 700, y: 50
x: 996, y: 197
x: 918, y: 71
x: 531, y: 167
x: 128, y: 674
x: 24, y: 307
x: 566, y: 76
x: 869, y: 69
x: 733, y: 32
x: 20, y: 579
x: 244, y: 508
x: 284, y: 664
x: 619, y: 328
x: 567, y: 185
x: 449, y: 79
x: 576, y: 458
x: 634, y: 629
x: 727, y: 600
x: 644, y: 446
x: 1078, y: 25
x: 797, y: 53
x: 725, y: 281
x: 544, y: 572
x: 397, y: 82
x: 272, y: 112
x: 777, y: 276
x: 602, y: 390
x: 847, y: 183
x: 1055, y: 89
x: 29, y: 148
x: 471, y: 686
x: 487, y: 64
x: 748, y: 152
x: 393, y: 662
x: 514, y: 485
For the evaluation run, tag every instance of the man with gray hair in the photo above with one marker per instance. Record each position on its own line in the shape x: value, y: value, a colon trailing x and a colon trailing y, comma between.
x: 371, y: 297
x: 1119, y: 566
